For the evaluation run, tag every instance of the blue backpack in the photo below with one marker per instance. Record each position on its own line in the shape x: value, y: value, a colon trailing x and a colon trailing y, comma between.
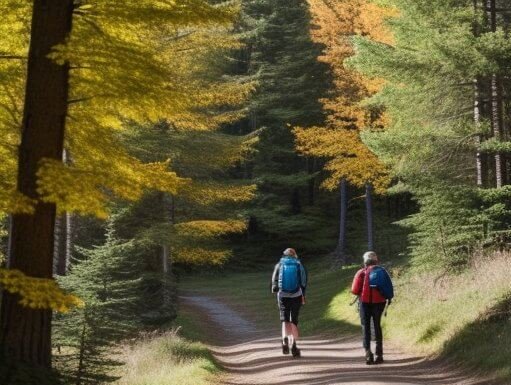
x: 380, y: 279
x: 289, y: 275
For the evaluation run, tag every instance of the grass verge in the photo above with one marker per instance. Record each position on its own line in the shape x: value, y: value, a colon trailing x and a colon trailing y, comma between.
x: 167, y: 359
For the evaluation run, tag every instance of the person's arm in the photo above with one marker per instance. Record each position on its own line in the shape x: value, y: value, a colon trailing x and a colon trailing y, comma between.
x: 358, y: 282
x: 275, y: 279
x: 390, y: 286
x: 303, y: 279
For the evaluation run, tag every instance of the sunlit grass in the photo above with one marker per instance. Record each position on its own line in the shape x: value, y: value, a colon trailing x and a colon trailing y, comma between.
x: 167, y: 359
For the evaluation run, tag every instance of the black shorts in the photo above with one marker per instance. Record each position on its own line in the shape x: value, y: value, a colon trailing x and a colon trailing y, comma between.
x: 289, y: 309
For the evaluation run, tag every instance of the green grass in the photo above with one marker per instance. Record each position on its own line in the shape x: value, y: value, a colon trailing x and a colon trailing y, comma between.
x: 431, y: 314
x: 168, y: 359
x: 250, y: 293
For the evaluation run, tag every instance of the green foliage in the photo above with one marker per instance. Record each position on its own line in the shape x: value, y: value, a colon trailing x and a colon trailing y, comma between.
x: 290, y: 82
x: 431, y: 140
x: 121, y: 295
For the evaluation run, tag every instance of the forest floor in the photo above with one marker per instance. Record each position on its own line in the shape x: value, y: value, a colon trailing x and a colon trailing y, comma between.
x: 249, y: 350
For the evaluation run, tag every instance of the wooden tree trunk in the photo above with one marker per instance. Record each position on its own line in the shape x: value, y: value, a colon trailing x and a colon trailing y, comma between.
x: 340, y: 251
x: 25, y: 334
x: 477, y: 122
x: 369, y: 212
x: 68, y: 255
x: 63, y: 234
x: 496, y: 119
x: 495, y: 98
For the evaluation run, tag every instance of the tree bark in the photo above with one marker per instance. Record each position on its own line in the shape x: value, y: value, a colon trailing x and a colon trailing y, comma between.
x: 369, y: 214
x: 477, y: 122
x: 340, y: 250
x: 495, y: 97
x: 63, y: 241
x: 25, y: 334
x: 68, y: 255
x: 496, y: 120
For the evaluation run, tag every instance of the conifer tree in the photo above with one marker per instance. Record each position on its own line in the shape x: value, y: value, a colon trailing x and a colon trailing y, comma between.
x: 436, y: 124
x: 290, y: 82
x: 109, y: 279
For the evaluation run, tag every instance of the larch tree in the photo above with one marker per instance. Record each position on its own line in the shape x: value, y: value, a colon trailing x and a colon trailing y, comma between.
x: 90, y: 64
x: 349, y: 160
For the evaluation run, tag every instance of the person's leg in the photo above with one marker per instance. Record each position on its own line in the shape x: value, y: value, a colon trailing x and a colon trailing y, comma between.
x: 284, y: 330
x: 378, y: 310
x: 285, y: 318
x: 289, y: 331
x: 295, y: 311
x: 365, y: 320
x: 294, y: 331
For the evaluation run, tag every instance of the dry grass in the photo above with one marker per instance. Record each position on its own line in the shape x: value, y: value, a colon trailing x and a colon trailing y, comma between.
x: 167, y: 359
x: 430, y: 309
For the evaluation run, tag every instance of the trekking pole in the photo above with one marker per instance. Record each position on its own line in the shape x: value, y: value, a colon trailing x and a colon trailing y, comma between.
x: 354, y: 300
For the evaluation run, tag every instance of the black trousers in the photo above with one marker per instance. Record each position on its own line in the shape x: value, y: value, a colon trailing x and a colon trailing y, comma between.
x: 374, y: 312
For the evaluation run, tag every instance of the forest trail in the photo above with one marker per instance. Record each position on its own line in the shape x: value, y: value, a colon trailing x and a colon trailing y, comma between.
x: 251, y: 355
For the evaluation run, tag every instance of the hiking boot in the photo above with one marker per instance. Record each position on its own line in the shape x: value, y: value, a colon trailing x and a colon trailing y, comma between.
x: 295, y: 351
x: 285, y: 346
x: 369, y: 358
x: 378, y: 360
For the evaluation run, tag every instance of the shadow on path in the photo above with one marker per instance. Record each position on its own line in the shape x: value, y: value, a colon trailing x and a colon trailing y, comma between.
x: 250, y: 357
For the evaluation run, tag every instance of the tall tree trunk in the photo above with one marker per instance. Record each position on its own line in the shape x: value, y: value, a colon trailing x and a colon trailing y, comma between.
x: 369, y: 214
x: 57, y: 244
x: 495, y: 97
x: 340, y: 250
x: 63, y: 241
x: 25, y: 334
x: 477, y: 122
x: 165, y: 256
x: 496, y: 120
x: 68, y: 255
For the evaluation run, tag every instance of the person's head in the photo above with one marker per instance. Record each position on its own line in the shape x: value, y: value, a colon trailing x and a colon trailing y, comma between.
x: 370, y: 258
x: 289, y: 252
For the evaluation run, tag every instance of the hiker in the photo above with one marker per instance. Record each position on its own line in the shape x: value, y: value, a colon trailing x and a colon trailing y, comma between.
x: 373, y: 286
x: 289, y: 281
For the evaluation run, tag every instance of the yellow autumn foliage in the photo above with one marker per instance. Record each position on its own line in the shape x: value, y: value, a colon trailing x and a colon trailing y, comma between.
x: 37, y: 293
x: 335, y: 21
x: 200, y: 256
x: 210, y: 228
x: 210, y: 193
x: 133, y: 60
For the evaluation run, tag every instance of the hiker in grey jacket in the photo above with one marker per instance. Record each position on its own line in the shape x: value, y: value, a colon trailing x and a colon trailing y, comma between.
x: 289, y: 281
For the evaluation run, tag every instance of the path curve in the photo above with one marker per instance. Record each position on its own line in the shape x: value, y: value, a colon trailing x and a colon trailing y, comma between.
x: 251, y: 358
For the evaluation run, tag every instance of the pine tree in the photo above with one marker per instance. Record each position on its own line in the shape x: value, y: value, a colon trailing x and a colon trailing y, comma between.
x: 290, y: 82
x: 109, y: 279
x: 437, y: 126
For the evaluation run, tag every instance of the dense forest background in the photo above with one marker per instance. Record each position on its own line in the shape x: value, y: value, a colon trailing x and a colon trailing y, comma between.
x: 210, y: 138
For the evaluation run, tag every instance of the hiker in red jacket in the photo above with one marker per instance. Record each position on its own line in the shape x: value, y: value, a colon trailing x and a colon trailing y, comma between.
x: 373, y: 297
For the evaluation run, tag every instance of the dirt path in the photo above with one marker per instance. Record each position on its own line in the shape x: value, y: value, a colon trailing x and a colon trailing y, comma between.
x: 252, y: 358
